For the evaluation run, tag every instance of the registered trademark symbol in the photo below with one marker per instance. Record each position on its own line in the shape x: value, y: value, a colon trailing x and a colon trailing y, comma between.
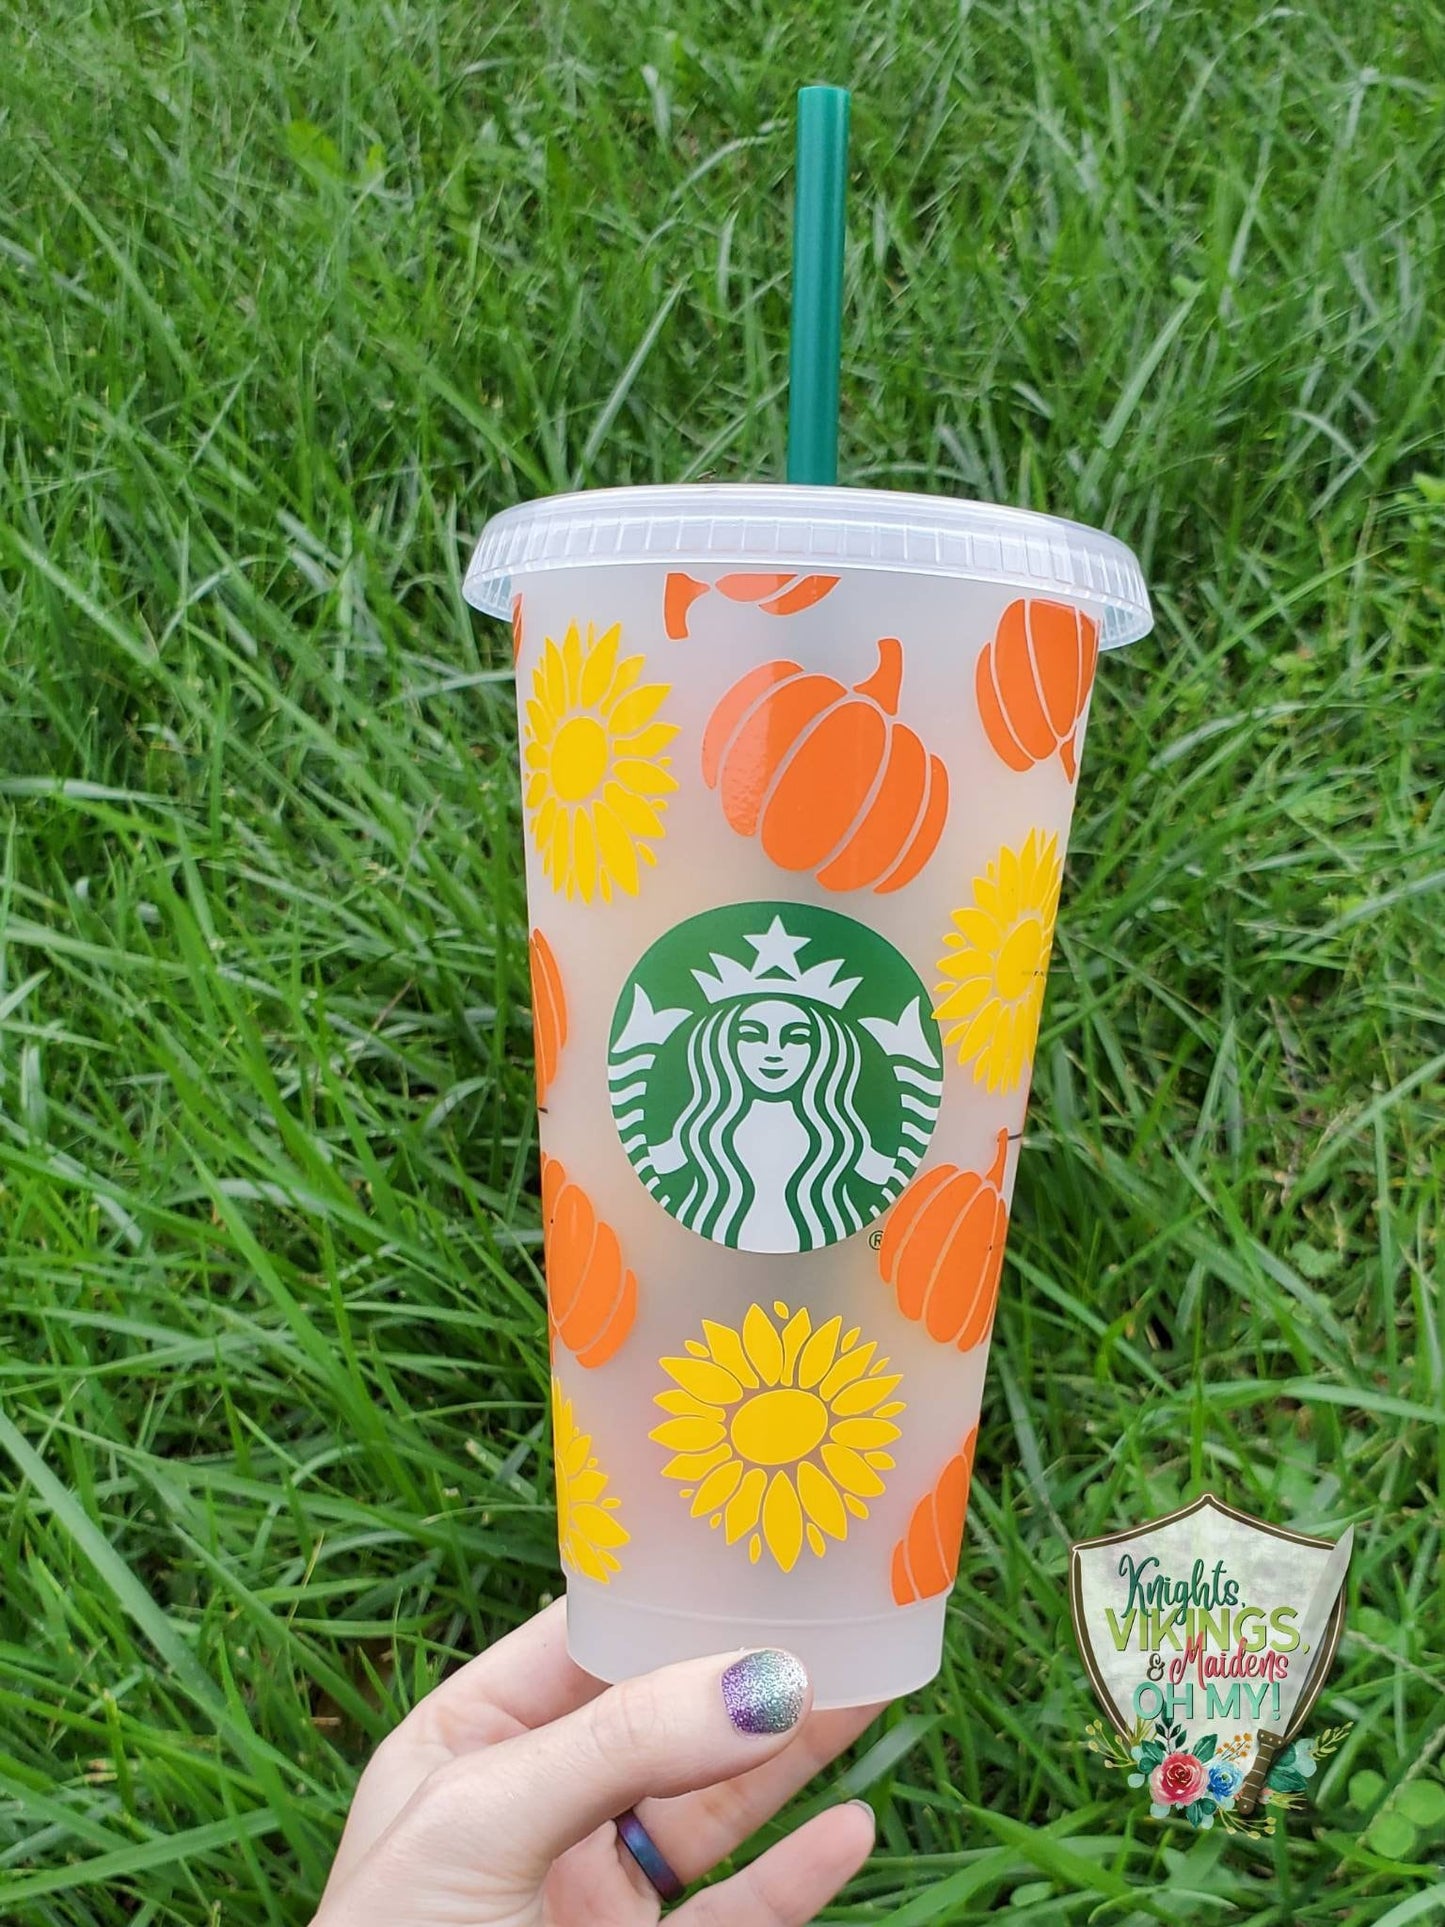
x: 875, y: 1238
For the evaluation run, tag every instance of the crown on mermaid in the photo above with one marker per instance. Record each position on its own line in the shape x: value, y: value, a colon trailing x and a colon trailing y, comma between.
x: 776, y: 972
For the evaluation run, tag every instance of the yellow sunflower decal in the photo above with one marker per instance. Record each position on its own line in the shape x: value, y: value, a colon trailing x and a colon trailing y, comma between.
x: 595, y: 776
x: 588, y: 1530
x: 779, y: 1430
x: 999, y: 958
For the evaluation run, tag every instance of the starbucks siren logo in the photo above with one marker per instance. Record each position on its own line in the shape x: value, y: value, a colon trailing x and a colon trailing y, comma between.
x: 771, y: 1075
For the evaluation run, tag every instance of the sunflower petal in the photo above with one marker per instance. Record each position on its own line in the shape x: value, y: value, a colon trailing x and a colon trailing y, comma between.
x: 571, y: 1448
x: 643, y: 778
x: 851, y: 1365
x: 686, y: 1405
x: 700, y: 1435
x: 821, y: 1500
x: 705, y: 1380
x: 763, y: 1345
x: 981, y: 931
x: 963, y: 999
x: 628, y: 671
x: 584, y: 854
x: 980, y: 1033
x: 818, y: 1354
x: 741, y: 1513
x: 795, y: 1334
x: 636, y: 709
x: 633, y: 812
x: 1010, y: 884
x: 572, y: 664
x: 695, y: 1465
x: 1026, y: 1033
x: 648, y: 743
x: 598, y: 1527
x: 590, y: 1563
x: 549, y: 681
x: 850, y: 1471
x: 1049, y: 896
x: 598, y: 668
x: 616, y: 849
x: 783, y: 1521
x: 717, y: 1488
x: 727, y: 1349
x: 541, y: 719
x: 863, y: 1434
x: 557, y: 860
x: 864, y: 1394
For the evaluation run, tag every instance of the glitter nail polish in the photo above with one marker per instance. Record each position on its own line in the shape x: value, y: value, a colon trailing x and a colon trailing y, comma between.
x: 764, y: 1692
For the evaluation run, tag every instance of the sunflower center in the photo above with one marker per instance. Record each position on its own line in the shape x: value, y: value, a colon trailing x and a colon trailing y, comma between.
x: 1020, y: 960
x: 777, y: 1427
x: 579, y: 758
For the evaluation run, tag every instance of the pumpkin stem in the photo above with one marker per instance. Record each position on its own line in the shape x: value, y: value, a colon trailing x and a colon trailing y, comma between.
x: 994, y: 1173
x: 679, y: 593
x: 887, y: 679
x: 1069, y: 756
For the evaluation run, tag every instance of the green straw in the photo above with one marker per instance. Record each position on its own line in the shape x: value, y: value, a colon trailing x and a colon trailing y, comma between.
x: 817, y: 325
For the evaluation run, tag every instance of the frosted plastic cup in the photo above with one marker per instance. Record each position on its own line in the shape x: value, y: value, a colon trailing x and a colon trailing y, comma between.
x: 798, y: 767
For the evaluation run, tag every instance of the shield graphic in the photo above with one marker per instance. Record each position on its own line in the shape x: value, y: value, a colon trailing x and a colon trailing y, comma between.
x: 1209, y: 1618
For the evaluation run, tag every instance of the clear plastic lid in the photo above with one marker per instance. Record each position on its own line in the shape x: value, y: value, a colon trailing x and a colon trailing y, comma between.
x: 704, y: 524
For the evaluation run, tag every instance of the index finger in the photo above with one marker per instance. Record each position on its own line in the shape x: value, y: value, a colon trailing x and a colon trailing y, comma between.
x: 526, y: 1680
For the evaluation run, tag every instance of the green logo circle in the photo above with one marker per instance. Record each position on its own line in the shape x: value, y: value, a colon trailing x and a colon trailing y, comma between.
x: 773, y: 1075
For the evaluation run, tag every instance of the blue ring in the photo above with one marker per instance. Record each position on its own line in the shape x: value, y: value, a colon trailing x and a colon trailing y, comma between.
x: 645, y: 1851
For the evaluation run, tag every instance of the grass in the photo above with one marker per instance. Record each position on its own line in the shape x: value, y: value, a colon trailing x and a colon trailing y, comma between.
x: 296, y: 294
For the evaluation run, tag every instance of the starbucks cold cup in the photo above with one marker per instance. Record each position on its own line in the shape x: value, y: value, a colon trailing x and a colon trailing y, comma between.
x: 798, y: 767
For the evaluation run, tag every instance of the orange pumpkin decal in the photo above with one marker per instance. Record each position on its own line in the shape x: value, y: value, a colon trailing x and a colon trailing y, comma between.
x: 826, y: 777
x: 516, y: 628
x: 925, y: 1560
x: 549, y: 1013
x: 942, y: 1249
x: 1033, y: 681
x: 779, y: 595
x: 591, y: 1295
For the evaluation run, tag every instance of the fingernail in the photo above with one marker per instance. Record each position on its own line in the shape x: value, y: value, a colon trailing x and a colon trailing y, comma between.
x: 764, y: 1692
x: 864, y: 1806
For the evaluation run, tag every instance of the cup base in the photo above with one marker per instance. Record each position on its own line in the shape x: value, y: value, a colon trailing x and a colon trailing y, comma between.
x: 851, y: 1662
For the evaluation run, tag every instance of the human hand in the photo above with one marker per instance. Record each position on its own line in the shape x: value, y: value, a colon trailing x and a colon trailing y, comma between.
x: 491, y: 1805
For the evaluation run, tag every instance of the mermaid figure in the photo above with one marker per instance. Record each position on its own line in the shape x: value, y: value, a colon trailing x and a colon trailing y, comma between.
x: 770, y: 1130
x: 769, y: 1149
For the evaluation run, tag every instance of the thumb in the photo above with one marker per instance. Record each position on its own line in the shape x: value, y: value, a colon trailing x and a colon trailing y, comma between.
x: 668, y: 1732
